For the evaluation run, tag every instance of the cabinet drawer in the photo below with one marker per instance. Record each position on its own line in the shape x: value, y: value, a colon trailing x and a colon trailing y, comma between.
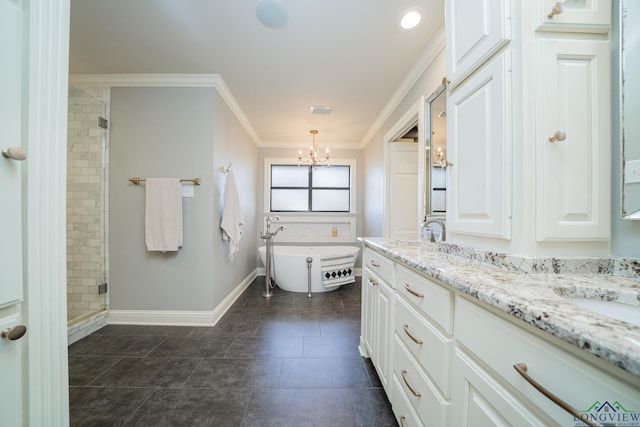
x: 430, y: 347
x: 480, y: 400
x: 427, y: 296
x: 379, y: 264
x: 402, y: 409
x: 418, y: 389
x: 501, y: 343
x: 577, y: 15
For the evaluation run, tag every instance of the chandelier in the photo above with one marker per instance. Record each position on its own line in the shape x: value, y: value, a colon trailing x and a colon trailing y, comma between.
x: 313, y: 158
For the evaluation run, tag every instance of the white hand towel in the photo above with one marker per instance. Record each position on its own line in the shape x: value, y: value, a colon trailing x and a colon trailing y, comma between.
x: 232, y: 221
x: 163, y: 214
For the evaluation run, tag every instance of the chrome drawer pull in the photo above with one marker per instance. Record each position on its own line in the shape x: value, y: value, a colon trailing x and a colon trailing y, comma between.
x: 521, y: 368
x: 412, y: 292
x: 375, y: 264
x: 406, y: 331
x: 411, y: 389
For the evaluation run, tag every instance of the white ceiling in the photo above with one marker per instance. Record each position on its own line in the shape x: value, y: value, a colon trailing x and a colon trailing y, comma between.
x: 349, y: 54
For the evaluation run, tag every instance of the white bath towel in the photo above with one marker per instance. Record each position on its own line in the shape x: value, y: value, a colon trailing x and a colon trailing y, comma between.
x: 232, y: 221
x: 163, y: 214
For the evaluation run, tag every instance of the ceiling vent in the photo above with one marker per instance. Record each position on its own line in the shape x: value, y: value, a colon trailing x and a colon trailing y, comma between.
x: 321, y: 110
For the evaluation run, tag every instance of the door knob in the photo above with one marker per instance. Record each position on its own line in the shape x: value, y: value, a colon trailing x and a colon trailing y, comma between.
x: 558, y: 136
x: 14, y: 333
x: 15, y: 153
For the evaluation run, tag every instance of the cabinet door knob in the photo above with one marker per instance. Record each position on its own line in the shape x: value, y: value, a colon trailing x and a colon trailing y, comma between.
x: 15, y: 153
x: 14, y: 333
x: 557, y: 9
x: 558, y: 136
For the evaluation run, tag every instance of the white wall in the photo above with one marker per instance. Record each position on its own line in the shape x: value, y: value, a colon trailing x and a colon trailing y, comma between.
x: 292, y: 153
x: 181, y: 133
x: 374, y: 183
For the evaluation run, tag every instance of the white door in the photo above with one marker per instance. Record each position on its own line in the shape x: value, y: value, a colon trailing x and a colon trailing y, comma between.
x: 10, y: 215
x: 403, y: 191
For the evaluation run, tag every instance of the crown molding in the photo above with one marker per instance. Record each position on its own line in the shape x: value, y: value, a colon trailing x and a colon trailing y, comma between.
x: 145, y: 80
x: 170, y: 80
x: 333, y: 145
x: 435, y: 46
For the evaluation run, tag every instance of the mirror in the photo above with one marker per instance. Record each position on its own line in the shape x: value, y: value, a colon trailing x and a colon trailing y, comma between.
x: 630, y: 106
x: 436, y: 112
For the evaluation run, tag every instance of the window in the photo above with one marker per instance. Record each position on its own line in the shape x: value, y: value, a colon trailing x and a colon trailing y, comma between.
x: 296, y: 188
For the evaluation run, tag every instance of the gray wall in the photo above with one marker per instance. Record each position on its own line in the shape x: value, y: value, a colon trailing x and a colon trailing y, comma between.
x: 174, y: 132
x: 373, y: 154
x: 233, y: 145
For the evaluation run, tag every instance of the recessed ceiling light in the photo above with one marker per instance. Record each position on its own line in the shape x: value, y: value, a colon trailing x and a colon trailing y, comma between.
x: 411, y: 18
x: 272, y: 13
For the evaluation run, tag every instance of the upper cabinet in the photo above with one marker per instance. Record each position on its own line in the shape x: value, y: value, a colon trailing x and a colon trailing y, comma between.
x: 475, y: 29
x: 529, y: 124
x: 480, y: 176
x: 573, y: 140
x: 573, y: 15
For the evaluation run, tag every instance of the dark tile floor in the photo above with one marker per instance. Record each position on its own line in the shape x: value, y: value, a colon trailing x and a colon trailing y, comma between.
x: 283, y: 361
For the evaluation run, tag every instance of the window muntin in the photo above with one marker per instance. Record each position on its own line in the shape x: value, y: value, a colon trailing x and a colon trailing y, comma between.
x: 327, y: 188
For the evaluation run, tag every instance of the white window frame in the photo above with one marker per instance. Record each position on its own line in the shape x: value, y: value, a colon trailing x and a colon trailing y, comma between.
x: 268, y: 162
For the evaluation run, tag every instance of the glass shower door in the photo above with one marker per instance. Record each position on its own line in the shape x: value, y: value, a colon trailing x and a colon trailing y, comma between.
x: 86, y: 205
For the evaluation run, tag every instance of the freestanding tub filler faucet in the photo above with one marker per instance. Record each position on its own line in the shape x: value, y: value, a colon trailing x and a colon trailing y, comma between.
x: 268, y: 236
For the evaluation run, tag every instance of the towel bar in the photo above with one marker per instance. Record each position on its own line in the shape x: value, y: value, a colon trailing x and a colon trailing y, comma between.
x: 137, y: 180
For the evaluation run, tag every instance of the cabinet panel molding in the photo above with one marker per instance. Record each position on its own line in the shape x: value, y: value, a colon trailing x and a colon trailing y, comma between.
x: 476, y: 29
x: 479, y: 129
x: 573, y: 174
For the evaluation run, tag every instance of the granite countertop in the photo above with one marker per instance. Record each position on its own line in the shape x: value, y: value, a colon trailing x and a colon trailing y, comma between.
x: 529, y: 289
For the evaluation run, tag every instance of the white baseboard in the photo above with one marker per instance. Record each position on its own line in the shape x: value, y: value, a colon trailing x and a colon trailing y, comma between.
x: 362, y: 349
x: 180, y: 318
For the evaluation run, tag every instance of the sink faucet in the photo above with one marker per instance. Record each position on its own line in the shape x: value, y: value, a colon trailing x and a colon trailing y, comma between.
x: 443, y: 228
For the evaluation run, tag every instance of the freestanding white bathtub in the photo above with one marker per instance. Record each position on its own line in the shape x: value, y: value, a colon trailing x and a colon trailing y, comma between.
x: 331, y: 266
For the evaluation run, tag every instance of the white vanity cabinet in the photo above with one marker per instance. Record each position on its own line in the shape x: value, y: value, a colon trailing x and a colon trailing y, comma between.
x: 378, y: 299
x: 453, y: 359
x: 423, y: 347
x: 488, y: 390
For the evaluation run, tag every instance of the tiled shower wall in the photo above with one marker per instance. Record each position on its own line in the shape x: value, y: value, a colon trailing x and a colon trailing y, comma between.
x: 87, y: 161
